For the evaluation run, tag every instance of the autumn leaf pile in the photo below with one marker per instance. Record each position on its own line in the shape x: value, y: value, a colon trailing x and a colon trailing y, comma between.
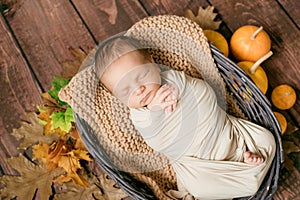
x: 67, y: 151
x: 58, y: 166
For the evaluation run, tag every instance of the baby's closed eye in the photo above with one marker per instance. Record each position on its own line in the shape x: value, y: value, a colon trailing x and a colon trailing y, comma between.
x: 125, y: 91
x: 142, y: 76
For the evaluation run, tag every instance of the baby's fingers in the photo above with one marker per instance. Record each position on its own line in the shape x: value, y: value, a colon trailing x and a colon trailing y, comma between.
x: 169, y: 109
x: 174, y: 106
x: 168, y: 105
x: 164, y: 93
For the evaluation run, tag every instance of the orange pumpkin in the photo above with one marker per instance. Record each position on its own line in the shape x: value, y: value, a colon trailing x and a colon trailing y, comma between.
x: 218, y: 40
x: 282, y: 121
x: 256, y: 72
x: 250, y: 43
x: 283, y: 97
x: 259, y: 77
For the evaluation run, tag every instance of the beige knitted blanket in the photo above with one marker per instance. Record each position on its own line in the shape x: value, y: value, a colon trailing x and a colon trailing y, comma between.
x: 173, y: 41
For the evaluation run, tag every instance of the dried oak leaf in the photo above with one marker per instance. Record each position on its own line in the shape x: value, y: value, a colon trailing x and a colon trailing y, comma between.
x: 205, y: 18
x: 101, y: 188
x: 32, y: 132
x: 289, y: 147
x: 75, y: 192
x: 31, y: 178
x: 110, y: 189
x: 71, y: 67
x: 9, y: 7
x: 50, y: 104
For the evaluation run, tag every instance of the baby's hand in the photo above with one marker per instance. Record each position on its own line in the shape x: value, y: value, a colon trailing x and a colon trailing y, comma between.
x: 173, y: 96
x: 165, y: 98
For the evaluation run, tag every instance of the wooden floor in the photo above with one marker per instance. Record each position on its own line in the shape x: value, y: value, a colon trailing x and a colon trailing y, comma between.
x: 36, y: 35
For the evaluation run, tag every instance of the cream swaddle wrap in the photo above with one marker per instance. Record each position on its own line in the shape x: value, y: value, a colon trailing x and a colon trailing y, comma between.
x: 204, y: 144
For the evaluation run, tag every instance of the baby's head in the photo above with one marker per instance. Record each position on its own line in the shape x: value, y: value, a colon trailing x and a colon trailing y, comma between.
x: 128, y: 71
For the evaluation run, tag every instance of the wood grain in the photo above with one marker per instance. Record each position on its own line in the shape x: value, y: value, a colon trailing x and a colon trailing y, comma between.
x: 289, y: 182
x: 19, y: 93
x: 283, y: 66
x: 106, y: 18
x: 292, y: 9
x: 161, y: 7
x: 46, y: 30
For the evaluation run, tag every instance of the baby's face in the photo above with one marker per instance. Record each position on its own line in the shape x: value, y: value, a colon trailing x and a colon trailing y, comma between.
x: 133, y: 79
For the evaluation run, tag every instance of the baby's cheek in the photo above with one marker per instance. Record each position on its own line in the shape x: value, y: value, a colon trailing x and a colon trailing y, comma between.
x: 124, y: 100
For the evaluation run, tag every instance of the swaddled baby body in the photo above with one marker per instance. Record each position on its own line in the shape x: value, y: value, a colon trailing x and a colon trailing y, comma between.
x: 214, y: 155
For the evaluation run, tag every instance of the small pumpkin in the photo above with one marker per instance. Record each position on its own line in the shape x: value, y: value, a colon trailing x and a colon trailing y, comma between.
x: 250, y: 43
x: 282, y: 121
x: 256, y: 72
x: 218, y: 40
x: 283, y: 97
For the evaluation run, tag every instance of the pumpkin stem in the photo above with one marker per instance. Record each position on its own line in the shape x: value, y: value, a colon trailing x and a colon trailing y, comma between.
x: 256, y: 32
x: 254, y: 67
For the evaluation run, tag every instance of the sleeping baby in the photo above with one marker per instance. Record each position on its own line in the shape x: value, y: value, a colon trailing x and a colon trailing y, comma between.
x: 214, y: 155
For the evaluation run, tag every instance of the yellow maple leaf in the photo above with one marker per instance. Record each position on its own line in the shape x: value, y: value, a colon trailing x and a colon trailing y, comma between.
x: 81, y: 154
x: 205, y: 18
x: 74, y: 134
x: 40, y: 151
x: 79, y: 145
x: 70, y: 163
x: 61, y: 154
x: 76, y: 178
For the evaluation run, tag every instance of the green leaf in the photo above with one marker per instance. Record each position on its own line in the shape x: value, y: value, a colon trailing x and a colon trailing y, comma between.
x: 63, y: 120
x: 57, y: 84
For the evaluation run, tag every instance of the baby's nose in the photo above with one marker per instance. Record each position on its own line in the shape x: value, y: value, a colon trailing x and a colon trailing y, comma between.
x: 140, y: 90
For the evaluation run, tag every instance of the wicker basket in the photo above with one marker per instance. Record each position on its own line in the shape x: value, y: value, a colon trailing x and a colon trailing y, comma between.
x: 243, y: 100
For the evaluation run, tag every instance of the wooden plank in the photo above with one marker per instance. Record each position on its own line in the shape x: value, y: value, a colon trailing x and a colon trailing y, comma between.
x: 46, y: 30
x: 283, y: 66
x: 19, y: 93
x: 161, y: 7
x: 106, y: 18
x: 292, y: 8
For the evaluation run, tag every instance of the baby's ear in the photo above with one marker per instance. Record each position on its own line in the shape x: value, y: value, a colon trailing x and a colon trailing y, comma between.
x: 150, y: 58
